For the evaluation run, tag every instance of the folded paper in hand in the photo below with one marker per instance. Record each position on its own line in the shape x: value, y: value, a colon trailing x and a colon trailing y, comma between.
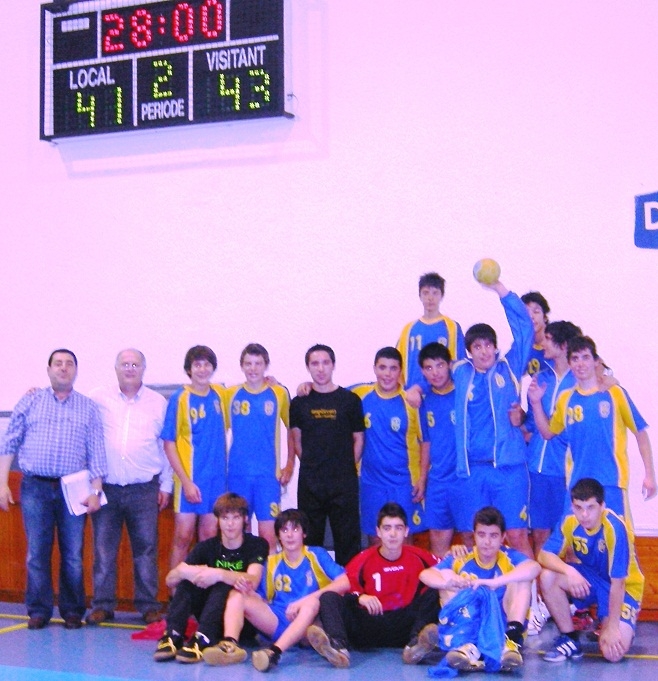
x: 76, y: 488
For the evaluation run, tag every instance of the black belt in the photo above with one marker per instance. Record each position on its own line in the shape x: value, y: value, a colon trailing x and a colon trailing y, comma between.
x: 44, y: 478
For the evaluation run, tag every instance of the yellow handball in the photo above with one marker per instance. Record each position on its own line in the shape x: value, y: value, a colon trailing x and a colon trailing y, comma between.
x: 486, y: 271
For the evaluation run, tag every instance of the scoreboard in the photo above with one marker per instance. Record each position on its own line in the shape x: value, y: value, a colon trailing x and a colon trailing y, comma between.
x: 117, y: 65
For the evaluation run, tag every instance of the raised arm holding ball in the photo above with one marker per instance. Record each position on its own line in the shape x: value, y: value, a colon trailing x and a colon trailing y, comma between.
x: 490, y: 449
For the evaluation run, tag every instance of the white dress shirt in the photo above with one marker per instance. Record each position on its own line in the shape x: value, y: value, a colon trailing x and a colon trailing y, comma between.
x: 132, y: 430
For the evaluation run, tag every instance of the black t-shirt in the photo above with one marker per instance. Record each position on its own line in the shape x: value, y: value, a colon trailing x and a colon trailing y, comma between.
x: 213, y: 553
x: 328, y: 422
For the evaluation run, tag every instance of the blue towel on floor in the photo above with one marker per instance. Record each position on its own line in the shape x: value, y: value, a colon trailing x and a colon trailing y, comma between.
x: 472, y: 616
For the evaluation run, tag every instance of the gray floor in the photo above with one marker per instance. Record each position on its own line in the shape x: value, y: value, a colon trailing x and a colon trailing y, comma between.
x: 108, y: 652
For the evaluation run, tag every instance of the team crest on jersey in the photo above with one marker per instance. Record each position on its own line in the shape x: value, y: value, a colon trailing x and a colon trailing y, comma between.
x: 442, y: 341
x: 218, y: 408
x: 309, y: 578
x: 453, y: 418
x: 500, y: 380
x: 604, y: 409
x: 601, y: 545
x: 395, y: 424
x: 269, y: 407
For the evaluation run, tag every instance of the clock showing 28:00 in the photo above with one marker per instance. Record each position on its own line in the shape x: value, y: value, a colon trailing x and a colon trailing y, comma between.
x: 117, y: 65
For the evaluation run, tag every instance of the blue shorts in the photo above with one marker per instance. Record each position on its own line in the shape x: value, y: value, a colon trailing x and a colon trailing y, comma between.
x: 599, y: 594
x: 284, y: 623
x: 443, y: 504
x: 506, y: 488
x: 373, y: 497
x: 210, y: 490
x: 263, y: 494
x: 546, y: 494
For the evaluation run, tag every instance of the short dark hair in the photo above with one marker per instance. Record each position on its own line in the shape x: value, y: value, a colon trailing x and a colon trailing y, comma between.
x: 480, y: 332
x: 293, y: 516
x: 489, y: 515
x: 586, y: 488
x: 196, y: 353
x: 318, y: 347
x: 434, y: 350
x: 392, y: 509
x: 255, y: 349
x: 230, y: 502
x: 580, y: 343
x: 562, y: 332
x: 433, y: 279
x: 389, y: 352
x: 536, y: 297
x: 68, y: 352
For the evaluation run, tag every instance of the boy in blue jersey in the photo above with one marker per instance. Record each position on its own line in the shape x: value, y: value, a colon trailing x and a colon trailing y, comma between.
x: 437, y: 417
x: 288, y: 599
x: 594, y: 421
x: 506, y: 572
x: 395, y: 459
x: 547, y: 458
x: 538, y: 310
x: 431, y: 327
x: 194, y: 436
x: 603, y: 571
x: 255, y: 411
x: 491, y: 460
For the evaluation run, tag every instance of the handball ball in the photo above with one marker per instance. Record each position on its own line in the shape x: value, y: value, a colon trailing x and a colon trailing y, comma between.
x: 486, y: 271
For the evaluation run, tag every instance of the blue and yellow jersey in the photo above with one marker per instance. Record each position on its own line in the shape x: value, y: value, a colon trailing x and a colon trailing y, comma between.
x: 197, y: 424
x: 607, y: 550
x: 391, y: 451
x: 595, y: 424
x: 417, y: 335
x: 537, y: 362
x: 437, y: 417
x: 548, y: 456
x: 255, y: 421
x: 472, y: 566
x: 285, y: 583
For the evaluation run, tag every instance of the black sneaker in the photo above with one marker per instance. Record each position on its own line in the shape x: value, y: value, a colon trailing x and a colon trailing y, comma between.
x: 192, y: 651
x: 336, y: 653
x: 168, y: 646
x: 265, y: 658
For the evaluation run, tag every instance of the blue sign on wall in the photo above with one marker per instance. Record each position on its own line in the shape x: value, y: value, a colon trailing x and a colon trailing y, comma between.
x: 646, y: 221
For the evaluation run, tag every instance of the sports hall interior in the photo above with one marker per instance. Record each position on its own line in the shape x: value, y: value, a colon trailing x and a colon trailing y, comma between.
x: 424, y: 136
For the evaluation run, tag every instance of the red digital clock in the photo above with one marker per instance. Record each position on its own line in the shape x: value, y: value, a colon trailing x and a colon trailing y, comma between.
x: 117, y: 65
x: 162, y: 25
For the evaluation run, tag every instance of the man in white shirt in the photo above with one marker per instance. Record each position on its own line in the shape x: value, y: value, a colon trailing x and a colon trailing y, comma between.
x: 138, y: 486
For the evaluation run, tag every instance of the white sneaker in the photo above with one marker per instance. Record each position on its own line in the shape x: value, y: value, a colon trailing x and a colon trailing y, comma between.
x: 537, y: 617
x: 466, y: 658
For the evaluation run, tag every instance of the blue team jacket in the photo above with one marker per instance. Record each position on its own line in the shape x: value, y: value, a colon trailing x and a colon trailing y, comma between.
x: 504, y: 389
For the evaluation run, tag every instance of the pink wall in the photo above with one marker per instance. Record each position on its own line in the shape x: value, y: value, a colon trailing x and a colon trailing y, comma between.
x: 427, y: 134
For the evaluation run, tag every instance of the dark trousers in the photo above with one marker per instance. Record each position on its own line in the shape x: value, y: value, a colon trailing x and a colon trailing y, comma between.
x: 349, y: 624
x: 337, y: 500
x: 207, y: 605
x: 136, y: 506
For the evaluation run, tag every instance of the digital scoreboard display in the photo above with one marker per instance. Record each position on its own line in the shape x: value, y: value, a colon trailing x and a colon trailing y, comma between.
x: 117, y: 65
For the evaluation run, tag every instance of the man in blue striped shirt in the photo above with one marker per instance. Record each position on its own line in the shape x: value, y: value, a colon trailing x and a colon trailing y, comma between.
x: 55, y: 431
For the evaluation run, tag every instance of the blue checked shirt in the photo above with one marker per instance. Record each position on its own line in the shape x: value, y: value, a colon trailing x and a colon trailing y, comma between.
x: 54, y: 438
